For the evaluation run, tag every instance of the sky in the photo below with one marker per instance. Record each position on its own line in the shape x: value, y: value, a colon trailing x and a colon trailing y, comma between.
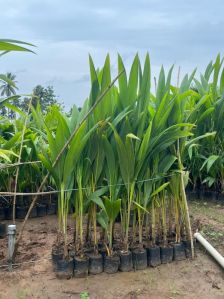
x: 185, y: 33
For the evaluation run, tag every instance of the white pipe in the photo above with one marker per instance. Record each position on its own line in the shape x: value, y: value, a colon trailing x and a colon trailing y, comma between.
x: 217, y: 256
x: 11, y: 243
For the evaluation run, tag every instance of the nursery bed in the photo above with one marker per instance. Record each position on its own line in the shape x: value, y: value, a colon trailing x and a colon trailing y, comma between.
x: 175, y: 280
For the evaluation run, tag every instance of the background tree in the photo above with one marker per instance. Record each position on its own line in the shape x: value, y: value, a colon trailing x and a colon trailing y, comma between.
x: 8, y: 88
x: 45, y: 96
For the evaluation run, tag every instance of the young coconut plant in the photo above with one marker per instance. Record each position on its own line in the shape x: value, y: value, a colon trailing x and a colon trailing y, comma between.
x: 111, y: 204
x: 63, y: 172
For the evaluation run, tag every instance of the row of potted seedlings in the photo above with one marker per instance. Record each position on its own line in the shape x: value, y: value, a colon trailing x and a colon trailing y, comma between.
x: 45, y: 206
x: 137, y: 258
x: 204, y: 194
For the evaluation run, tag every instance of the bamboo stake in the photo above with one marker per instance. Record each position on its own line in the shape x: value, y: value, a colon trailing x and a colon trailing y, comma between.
x: 185, y: 200
x: 187, y: 214
x: 19, y: 161
x: 100, y: 98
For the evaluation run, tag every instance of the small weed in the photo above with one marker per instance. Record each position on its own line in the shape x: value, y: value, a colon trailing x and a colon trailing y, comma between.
x: 84, y: 296
x: 173, y: 291
x: 23, y: 293
x: 212, y: 234
x: 152, y: 281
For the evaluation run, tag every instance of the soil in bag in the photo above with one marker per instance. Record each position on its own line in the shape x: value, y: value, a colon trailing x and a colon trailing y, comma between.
x: 153, y: 256
x: 2, y: 213
x: 179, y: 252
x: 8, y: 213
x: 95, y: 263
x: 103, y: 252
x: 209, y: 195
x: 56, y: 255
x: 21, y: 212
x: 51, y: 208
x: 194, y: 195
x: 64, y: 268
x: 41, y: 210
x: 27, y: 202
x: 126, y: 263
x: 111, y: 264
x: 166, y: 254
x: 139, y: 257
x: 2, y: 230
x: 33, y: 213
x: 187, y: 247
x: 220, y: 197
x: 81, y: 266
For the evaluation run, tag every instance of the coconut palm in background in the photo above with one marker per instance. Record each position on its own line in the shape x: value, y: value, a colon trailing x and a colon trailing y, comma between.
x: 7, y: 81
x: 8, y: 88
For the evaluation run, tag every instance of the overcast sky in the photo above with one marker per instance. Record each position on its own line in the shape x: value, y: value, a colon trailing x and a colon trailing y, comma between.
x: 188, y: 33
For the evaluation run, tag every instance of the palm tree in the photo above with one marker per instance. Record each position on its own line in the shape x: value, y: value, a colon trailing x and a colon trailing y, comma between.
x: 8, y: 88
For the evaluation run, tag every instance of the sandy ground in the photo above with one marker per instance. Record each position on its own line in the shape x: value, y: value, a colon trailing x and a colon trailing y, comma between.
x: 198, y: 278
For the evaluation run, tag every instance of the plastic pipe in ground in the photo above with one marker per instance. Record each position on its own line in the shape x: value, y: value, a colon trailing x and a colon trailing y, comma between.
x: 11, y: 243
x: 214, y: 253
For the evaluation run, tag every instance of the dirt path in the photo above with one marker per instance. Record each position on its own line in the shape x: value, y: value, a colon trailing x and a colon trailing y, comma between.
x: 200, y: 278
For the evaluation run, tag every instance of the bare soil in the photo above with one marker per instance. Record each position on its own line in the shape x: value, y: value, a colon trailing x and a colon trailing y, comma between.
x: 198, y: 278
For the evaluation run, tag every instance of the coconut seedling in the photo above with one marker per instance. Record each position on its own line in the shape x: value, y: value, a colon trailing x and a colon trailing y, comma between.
x: 96, y: 155
x: 125, y: 150
x: 111, y: 203
x: 63, y: 172
x: 97, y: 158
x: 134, y: 92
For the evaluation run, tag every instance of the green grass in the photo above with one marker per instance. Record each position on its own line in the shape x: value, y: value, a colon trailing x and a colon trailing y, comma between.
x: 211, y: 218
x: 213, y: 212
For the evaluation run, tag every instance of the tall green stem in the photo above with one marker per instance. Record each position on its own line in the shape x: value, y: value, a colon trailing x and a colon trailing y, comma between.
x: 185, y: 200
x: 153, y: 222
x: 130, y: 198
x: 163, y: 203
x: 110, y: 237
